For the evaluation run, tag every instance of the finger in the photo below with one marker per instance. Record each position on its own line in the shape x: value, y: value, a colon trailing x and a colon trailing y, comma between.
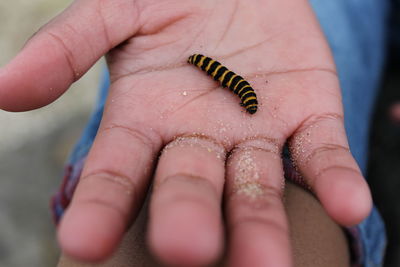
x: 256, y: 217
x: 321, y: 153
x: 110, y: 191
x: 185, y: 226
x: 63, y: 50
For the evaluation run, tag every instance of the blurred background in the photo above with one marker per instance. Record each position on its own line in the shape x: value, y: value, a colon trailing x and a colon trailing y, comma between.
x: 35, y: 145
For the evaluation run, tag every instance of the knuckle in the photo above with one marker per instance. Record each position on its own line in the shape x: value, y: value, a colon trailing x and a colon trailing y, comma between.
x: 318, y: 136
x: 144, y: 139
x: 316, y: 119
x: 197, y: 140
x: 263, y: 222
x: 111, y: 180
x: 256, y: 195
x: 111, y: 190
x: 67, y: 52
x: 325, y: 158
x: 259, y: 211
x: 259, y: 143
x: 320, y: 152
x: 109, y: 205
x: 335, y: 166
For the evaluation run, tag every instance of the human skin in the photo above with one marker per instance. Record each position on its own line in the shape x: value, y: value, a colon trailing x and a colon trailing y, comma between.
x: 156, y: 97
x: 316, y: 240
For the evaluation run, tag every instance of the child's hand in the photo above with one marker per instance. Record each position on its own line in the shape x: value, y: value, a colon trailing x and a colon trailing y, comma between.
x: 156, y: 99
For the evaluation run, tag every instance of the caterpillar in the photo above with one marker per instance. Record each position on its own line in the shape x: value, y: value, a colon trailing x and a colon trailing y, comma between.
x: 229, y: 79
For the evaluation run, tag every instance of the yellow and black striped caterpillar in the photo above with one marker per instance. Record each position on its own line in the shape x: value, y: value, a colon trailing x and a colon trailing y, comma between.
x: 229, y: 79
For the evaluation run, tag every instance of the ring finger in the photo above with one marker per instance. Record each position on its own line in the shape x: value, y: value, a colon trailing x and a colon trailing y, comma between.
x: 256, y: 217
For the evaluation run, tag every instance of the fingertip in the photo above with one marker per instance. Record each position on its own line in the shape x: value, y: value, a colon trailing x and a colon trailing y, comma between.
x: 24, y: 87
x: 6, y: 103
x: 177, y: 242
x: 85, y: 234
x: 345, y: 195
x: 255, y: 244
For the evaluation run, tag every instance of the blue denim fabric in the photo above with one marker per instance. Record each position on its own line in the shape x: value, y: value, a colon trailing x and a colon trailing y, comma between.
x: 356, y: 32
x: 81, y: 149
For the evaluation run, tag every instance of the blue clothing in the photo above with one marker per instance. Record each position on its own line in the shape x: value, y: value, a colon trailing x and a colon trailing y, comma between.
x: 357, y: 32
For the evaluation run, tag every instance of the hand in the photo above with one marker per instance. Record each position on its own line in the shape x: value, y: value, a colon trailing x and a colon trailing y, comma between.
x: 159, y: 102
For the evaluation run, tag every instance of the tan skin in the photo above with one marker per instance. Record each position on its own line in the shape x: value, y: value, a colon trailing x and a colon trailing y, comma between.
x: 155, y: 97
x: 316, y: 240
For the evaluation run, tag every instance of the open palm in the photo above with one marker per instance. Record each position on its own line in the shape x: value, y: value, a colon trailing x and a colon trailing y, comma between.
x: 210, y: 146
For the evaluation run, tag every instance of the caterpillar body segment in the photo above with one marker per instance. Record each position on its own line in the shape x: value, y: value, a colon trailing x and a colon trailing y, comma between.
x: 228, y: 79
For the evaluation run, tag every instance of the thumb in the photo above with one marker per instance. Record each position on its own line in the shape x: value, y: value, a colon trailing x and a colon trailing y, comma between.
x: 63, y: 50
